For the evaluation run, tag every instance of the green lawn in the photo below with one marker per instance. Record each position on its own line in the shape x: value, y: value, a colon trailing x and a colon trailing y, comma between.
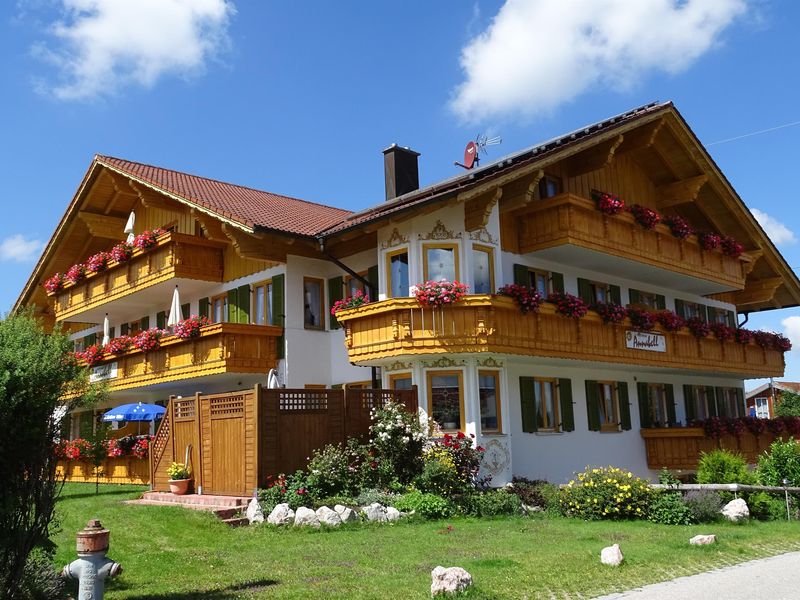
x: 181, y: 554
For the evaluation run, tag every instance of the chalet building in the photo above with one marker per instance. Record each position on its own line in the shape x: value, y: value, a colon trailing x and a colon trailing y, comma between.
x: 544, y: 393
x: 762, y: 401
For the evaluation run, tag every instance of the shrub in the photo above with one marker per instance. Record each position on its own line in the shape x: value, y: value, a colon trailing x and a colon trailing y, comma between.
x: 428, y: 506
x: 668, y: 508
x: 781, y: 462
x: 704, y: 505
x: 466, y: 458
x: 788, y: 405
x: 492, y: 503
x: 530, y: 491
x: 369, y: 496
x: 332, y: 501
x: 329, y: 471
x: 290, y: 489
x: 606, y: 493
x: 765, y: 507
x: 41, y: 580
x: 396, y: 439
x: 721, y: 466
x: 439, y: 474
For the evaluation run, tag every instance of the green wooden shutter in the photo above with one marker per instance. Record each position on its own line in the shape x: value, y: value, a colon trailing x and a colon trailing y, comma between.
x: 731, y: 318
x: 711, y: 394
x: 243, y: 301
x: 373, y: 277
x: 521, y: 275
x: 335, y: 292
x: 670, y: 394
x: 144, y: 323
x: 565, y: 402
x: 585, y: 290
x: 688, y: 403
x: 633, y: 296
x: 642, y: 390
x: 161, y: 319
x: 593, y: 405
x: 557, y: 282
x: 661, y: 302
x: 615, y: 294
x: 705, y: 313
x: 741, y: 408
x: 527, y: 399
x: 185, y: 311
x: 124, y: 328
x: 203, y: 308
x: 233, y: 306
x: 624, y: 405
x: 278, y: 310
x: 680, y: 308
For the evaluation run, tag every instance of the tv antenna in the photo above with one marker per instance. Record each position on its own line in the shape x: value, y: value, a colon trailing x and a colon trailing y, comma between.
x: 475, y: 148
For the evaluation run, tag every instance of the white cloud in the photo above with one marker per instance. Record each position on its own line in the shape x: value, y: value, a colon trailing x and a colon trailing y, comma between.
x: 537, y: 54
x: 103, y: 45
x: 791, y: 329
x: 19, y: 249
x: 777, y: 231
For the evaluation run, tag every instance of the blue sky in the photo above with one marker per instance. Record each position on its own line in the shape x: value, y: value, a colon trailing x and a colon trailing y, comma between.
x: 300, y: 97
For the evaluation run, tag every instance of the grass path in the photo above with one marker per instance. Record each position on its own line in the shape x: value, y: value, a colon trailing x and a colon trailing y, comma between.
x: 173, y: 553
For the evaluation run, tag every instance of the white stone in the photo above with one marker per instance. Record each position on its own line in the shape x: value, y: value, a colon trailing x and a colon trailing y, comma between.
x: 281, y: 515
x: 702, y: 540
x: 451, y: 580
x: 392, y: 514
x: 340, y: 508
x: 374, y: 512
x: 611, y: 555
x: 328, y: 517
x: 736, y: 510
x: 255, y: 513
x: 348, y: 515
x: 305, y: 517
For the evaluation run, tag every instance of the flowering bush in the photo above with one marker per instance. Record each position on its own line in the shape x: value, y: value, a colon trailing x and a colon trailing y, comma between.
x: 466, y: 458
x: 642, y: 319
x: 709, y: 240
x: 670, y: 320
x: 330, y: 471
x: 527, y: 299
x: 743, y: 336
x: 113, y: 449
x: 354, y: 301
x: 679, y: 226
x: 122, y: 252
x: 118, y: 345
x: 148, y: 340
x: 97, y: 263
x: 608, y: 203
x: 190, y: 328
x: 698, y: 327
x: 397, y: 439
x: 646, y: 217
x: 722, y: 332
x: 54, y: 284
x: 731, y: 247
x: 605, y: 493
x: 439, y: 293
x: 291, y: 489
x: 147, y: 239
x: 568, y: 305
x: 141, y: 448
x: 76, y: 273
x: 610, y: 312
x: 91, y: 355
x: 78, y: 449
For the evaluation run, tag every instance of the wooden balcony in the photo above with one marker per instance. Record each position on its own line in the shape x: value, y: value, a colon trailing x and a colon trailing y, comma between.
x: 400, y: 327
x: 569, y: 220
x: 175, y: 256
x: 220, y: 348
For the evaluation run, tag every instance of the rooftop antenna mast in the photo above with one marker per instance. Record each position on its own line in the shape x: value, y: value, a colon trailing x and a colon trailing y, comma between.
x: 475, y: 148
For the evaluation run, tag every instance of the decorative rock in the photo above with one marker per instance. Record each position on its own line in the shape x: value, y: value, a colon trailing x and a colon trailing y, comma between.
x: 254, y: 512
x: 328, y: 517
x: 611, y: 555
x: 348, y: 515
x: 702, y: 540
x: 392, y: 514
x: 306, y: 517
x: 374, y: 512
x: 281, y: 515
x: 340, y: 508
x: 736, y: 510
x: 449, y: 581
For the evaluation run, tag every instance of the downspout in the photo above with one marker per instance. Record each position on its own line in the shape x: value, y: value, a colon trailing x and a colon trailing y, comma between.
x: 746, y: 319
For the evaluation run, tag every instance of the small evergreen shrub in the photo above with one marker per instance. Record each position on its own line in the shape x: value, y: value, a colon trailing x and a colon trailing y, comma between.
x: 668, y: 508
x: 721, y: 466
x: 370, y: 496
x: 606, y: 493
x: 428, y: 506
x: 781, y: 462
x: 492, y: 503
x: 704, y: 505
x: 766, y: 507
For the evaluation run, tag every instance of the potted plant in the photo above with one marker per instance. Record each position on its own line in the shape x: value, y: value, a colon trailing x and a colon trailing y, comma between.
x: 179, y: 478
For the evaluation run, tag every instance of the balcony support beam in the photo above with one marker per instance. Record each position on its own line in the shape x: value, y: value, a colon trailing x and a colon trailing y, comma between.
x: 520, y: 192
x: 593, y: 159
x: 212, y: 229
x: 642, y: 138
x: 755, y: 292
x: 680, y: 192
x: 267, y: 247
x: 151, y: 200
x: 478, y: 209
x: 103, y: 226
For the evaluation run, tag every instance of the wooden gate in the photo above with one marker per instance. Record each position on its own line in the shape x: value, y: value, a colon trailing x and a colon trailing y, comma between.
x: 224, y: 420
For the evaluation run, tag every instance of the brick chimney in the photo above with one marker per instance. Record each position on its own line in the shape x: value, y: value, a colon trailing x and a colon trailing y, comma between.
x: 401, y: 171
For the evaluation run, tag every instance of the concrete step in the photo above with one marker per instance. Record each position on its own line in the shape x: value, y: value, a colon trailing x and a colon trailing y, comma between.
x: 196, y: 500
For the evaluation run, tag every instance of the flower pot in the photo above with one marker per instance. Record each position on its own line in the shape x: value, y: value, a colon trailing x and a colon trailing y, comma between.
x: 179, y: 486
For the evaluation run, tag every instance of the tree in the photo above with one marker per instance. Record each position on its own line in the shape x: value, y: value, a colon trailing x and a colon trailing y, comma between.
x: 788, y: 405
x: 37, y: 373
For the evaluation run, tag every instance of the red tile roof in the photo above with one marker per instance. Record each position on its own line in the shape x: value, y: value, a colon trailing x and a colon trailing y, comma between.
x: 249, y: 207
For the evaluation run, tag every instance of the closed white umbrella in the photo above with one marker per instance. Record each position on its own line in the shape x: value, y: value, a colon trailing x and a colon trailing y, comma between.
x: 272, y: 380
x: 129, y: 227
x: 175, y: 309
x: 106, y: 331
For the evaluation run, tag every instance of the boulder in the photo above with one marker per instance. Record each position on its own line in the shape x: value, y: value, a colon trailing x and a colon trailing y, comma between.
x: 305, y: 517
x: 254, y: 514
x: 611, y: 555
x: 451, y: 580
x: 281, y: 515
x: 328, y: 517
x: 702, y: 540
x: 348, y: 515
x: 736, y: 510
x: 392, y: 514
x: 340, y: 508
x: 374, y: 512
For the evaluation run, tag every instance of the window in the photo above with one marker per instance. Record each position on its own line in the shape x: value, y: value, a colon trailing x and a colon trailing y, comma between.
x: 219, y: 308
x: 540, y: 281
x: 546, y: 398
x: 549, y: 186
x: 312, y: 303
x: 693, y: 310
x: 656, y: 405
x: 482, y: 270
x: 720, y: 315
x: 489, y: 397
x: 353, y: 285
x: 609, y: 406
x: 700, y: 402
x: 397, y: 271
x: 400, y: 381
x: 445, y: 399
x: 262, y: 295
x: 594, y: 292
x: 762, y: 407
x: 729, y: 402
x: 648, y: 299
x: 440, y: 262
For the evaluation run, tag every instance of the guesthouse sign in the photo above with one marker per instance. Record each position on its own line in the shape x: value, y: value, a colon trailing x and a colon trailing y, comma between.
x: 103, y: 372
x: 645, y: 340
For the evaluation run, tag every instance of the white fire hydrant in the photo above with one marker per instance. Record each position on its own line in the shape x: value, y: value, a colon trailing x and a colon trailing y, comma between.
x: 92, y: 567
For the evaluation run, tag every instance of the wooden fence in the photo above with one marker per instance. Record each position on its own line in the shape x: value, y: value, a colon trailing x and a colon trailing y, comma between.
x: 238, y: 439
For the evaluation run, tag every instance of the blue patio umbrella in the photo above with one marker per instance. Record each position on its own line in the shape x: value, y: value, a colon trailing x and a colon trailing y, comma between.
x: 135, y: 412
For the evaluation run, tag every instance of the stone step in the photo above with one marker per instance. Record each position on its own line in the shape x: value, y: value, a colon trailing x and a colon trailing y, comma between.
x: 196, y: 500
x: 236, y: 522
x: 227, y: 513
x: 225, y: 510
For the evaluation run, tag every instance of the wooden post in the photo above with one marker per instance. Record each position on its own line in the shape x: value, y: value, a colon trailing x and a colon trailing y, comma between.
x: 198, y: 472
x: 256, y: 434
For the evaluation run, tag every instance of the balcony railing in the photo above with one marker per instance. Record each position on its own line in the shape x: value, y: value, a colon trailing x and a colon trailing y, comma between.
x: 569, y: 219
x: 400, y: 327
x: 175, y: 255
x: 220, y: 348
